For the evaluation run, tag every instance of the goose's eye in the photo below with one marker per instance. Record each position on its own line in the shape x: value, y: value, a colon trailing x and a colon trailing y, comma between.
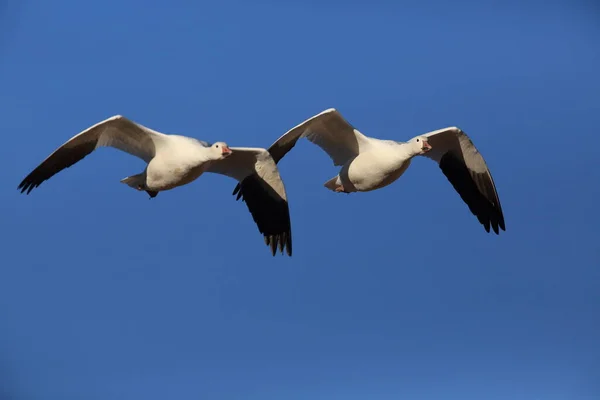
x: 217, y: 146
x: 417, y: 140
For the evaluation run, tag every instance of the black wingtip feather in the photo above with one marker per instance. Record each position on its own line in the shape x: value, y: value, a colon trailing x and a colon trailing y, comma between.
x: 62, y: 158
x: 488, y: 214
x: 269, y: 211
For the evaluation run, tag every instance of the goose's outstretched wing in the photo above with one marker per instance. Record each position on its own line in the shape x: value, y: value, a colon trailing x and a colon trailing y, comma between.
x: 117, y: 131
x: 328, y: 130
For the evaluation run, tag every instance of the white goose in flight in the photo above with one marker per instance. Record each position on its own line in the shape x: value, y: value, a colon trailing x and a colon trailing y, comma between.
x: 173, y: 161
x: 368, y: 163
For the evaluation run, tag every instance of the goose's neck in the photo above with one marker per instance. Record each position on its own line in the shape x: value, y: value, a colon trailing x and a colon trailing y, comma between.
x: 404, y: 151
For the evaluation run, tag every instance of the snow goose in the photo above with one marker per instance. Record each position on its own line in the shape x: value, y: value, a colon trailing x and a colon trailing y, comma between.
x: 174, y: 160
x: 368, y: 163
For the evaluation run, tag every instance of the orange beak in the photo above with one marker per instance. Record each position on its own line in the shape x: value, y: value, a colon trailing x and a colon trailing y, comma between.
x: 426, y: 146
x: 226, y: 150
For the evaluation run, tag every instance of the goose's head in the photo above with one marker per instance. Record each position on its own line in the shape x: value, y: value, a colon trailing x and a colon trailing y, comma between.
x: 419, y: 145
x: 220, y: 150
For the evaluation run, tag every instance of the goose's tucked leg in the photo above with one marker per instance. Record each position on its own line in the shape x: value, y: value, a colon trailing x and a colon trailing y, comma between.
x: 138, y: 182
x: 335, y: 184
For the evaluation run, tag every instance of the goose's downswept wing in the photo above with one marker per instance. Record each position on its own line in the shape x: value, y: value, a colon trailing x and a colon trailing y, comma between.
x: 467, y: 171
x: 261, y: 188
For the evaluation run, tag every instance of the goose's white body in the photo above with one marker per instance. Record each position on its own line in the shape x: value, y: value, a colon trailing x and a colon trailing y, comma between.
x: 369, y: 164
x: 378, y: 165
x: 173, y: 161
x: 178, y: 160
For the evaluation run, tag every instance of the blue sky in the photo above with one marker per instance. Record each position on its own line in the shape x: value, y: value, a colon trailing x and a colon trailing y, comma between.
x: 395, y: 294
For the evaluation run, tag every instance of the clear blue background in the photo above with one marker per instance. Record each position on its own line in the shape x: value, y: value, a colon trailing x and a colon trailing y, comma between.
x: 397, y: 294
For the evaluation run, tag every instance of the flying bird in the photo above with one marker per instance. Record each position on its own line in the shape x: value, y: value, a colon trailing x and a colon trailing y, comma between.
x: 369, y: 164
x: 174, y: 160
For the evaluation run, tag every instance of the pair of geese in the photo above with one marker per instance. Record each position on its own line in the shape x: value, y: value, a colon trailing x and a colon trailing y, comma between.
x: 366, y: 164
